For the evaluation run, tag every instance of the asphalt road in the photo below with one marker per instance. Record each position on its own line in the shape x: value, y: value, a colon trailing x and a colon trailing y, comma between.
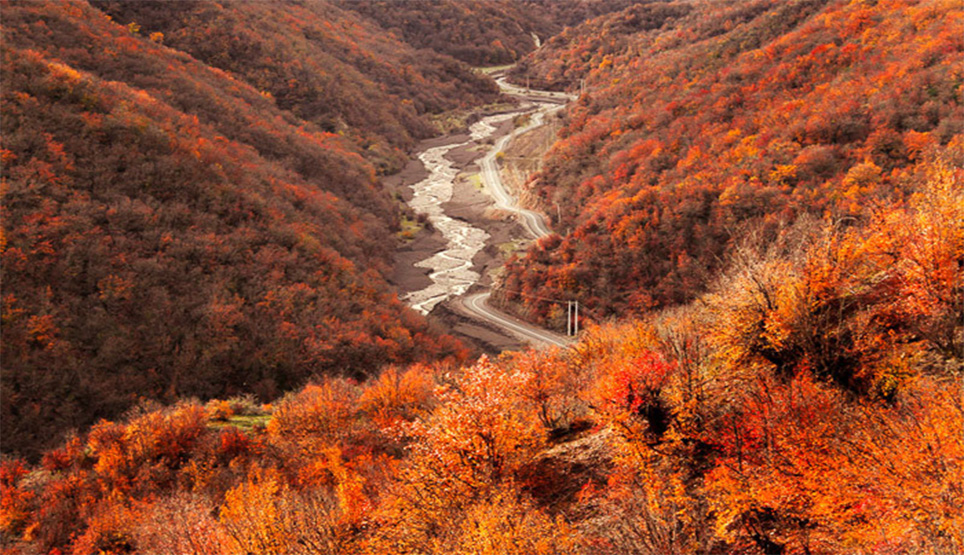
x: 477, y: 304
x: 535, y: 223
x: 547, y: 103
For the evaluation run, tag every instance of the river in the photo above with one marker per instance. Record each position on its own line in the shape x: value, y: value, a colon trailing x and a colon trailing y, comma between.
x: 451, y: 269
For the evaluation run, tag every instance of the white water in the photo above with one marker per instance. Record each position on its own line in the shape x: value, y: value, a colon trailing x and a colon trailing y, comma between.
x: 452, y: 273
x: 451, y: 269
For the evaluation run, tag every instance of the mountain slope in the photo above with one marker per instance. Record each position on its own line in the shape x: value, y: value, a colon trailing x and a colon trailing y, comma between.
x: 169, y: 231
x: 703, y: 118
x: 323, y: 64
x: 478, y: 32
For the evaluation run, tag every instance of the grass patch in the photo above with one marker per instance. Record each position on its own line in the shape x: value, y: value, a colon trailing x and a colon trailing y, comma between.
x: 246, y: 423
x: 476, y: 181
x: 409, y: 229
x: 511, y: 247
x: 492, y: 69
x: 458, y: 120
x: 242, y: 412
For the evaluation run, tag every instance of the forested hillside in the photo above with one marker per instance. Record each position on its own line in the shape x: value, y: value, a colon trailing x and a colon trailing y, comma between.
x: 323, y: 64
x: 478, y: 32
x: 174, y: 228
x: 810, y: 403
x: 566, y: 13
x: 703, y: 120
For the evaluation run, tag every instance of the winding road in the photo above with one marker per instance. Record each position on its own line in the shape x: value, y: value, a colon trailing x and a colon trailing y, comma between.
x: 533, y: 222
x: 477, y: 304
x: 452, y: 275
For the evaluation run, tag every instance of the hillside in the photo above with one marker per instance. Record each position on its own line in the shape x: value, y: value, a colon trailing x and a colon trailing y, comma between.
x: 478, y: 32
x: 323, y: 64
x: 810, y: 403
x: 170, y: 229
x: 570, y: 13
x: 702, y: 120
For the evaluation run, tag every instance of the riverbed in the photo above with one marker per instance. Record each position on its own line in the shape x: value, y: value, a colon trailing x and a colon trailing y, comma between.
x: 444, y: 197
x: 451, y: 270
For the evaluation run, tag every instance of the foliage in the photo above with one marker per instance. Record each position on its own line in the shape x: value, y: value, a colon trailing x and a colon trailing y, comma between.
x: 322, y: 63
x: 703, y: 119
x: 477, y: 32
x: 168, y: 231
x: 808, y: 401
x: 756, y: 420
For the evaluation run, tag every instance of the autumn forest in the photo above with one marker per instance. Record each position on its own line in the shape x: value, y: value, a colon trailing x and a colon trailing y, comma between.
x: 759, y: 205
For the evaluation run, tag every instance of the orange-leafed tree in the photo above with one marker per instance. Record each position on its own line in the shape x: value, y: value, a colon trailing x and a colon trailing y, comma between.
x: 467, y: 450
x: 509, y: 523
x: 181, y: 523
x: 17, y: 502
x: 554, y: 386
x: 253, y: 516
x: 398, y: 395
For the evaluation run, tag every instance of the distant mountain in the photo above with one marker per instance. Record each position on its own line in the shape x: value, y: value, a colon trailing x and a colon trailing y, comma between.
x: 480, y: 32
x: 571, y: 13
x: 703, y: 119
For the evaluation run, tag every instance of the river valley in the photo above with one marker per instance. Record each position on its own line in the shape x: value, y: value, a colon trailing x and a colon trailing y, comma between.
x: 458, y: 287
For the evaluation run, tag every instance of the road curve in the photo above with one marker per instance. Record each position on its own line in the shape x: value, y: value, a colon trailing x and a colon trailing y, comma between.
x: 532, y: 94
x: 477, y: 304
x: 533, y: 222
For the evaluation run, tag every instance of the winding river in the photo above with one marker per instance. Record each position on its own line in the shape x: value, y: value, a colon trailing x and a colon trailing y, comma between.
x: 451, y: 269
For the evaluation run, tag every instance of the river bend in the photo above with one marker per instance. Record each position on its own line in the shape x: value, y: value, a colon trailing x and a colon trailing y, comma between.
x: 451, y: 269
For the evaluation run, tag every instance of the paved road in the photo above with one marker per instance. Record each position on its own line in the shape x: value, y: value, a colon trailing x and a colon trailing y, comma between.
x: 477, y: 304
x: 546, y: 103
x: 533, y: 222
x: 544, y: 96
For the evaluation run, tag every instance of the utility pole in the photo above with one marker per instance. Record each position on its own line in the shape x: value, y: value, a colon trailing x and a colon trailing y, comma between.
x: 572, y: 318
x: 568, y: 318
x: 575, y: 320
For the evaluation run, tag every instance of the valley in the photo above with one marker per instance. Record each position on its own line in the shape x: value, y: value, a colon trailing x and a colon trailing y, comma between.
x: 442, y: 198
x: 291, y: 278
